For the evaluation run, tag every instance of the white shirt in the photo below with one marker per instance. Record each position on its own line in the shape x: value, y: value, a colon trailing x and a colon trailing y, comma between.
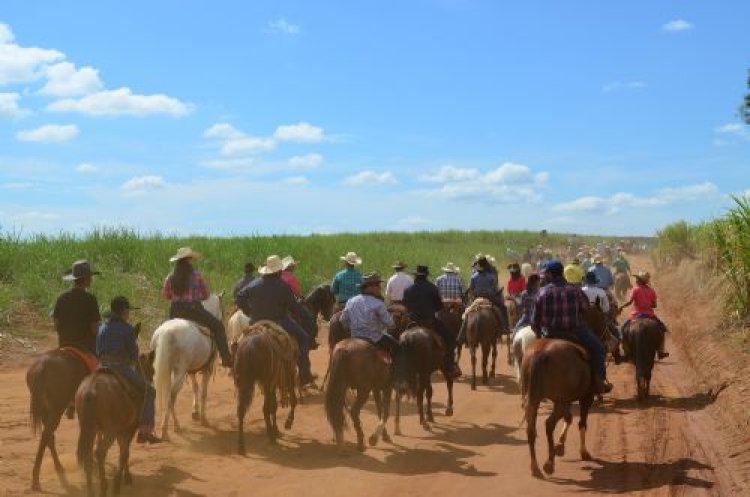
x: 394, y: 289
x: 592, y: 292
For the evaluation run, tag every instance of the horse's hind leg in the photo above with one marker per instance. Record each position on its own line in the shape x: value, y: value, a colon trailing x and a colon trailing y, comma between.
x: 362, y: 395
x: 397, y: 420
x: 243, y: 401
x: 428, y: 392
x: 473, y: 354
x: 35, y: 485
x: 485, y: 360
x: 582, y: 425
x: 386, y: 413
x: 196, y: 412
x: 558, y: 411
x: 494, y: 359
x: 377, y: 395
x: 102, y: 446
x: 560, y: 447
x: 509, y: 344
x: 531, y: 413
x: 179, y: 382
x: 269, y: 409
x: 123, y: 443
x: 449, y: 386
x: 205, y: 376
x: 292, y: 405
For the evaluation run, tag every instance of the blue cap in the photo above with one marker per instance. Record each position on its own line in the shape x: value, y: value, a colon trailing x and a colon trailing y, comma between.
x: 553, y: 265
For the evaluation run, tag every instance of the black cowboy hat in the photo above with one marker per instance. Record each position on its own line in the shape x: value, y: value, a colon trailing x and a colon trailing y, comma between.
x: 371, y: 279
x: 422, y: 270
x: 81, y: 269
x: 120, y: 304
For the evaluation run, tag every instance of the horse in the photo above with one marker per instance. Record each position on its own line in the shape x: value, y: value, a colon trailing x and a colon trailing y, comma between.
x: 514, y: 309
x: 238, y: 321
x: 641, y: 341
x: 52, y: 380
x: 598, y: 322
x: 182, y: 348
x: 355, y: 364
x: 522, y: 338
x: 622, y: 285
x: 483, y: 328
x: 265, y: 354
x: 557, y: 370
x: 424, y: 353
x: 320, y: 301
x: 451, y: 315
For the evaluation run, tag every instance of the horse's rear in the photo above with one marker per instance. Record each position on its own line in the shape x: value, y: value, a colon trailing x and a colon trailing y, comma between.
x: 641, y: 342
x: 52, y: 380
x: 106, y: 412
x: 557, y: 370
x: 622, y: 285
x: 483, y: 328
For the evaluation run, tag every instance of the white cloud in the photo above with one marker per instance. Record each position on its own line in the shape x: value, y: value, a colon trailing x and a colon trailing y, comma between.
x: 284, y: 27
x: 231, y: 164
x: 87, y: 168
x: 122, y: 102
x: 49, y: 133
x: 677, y: 25
x: 510, y: 173
x: 366, y: 178
x: 64, y: 80
x: 451, y: 173
x: 665, y: 196
x: 296, y: 180
x: 620, y: 85
x: 222, y: 130
x: 22, y: 64
x: 9, y: 106
x: 252, y: 144
x: 301, y: 132
x: 142, y: 184
x: 309, y: 161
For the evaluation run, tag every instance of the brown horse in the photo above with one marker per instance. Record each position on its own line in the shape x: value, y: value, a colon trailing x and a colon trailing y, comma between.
x: 267, y: 355
x: 598, y: 322
x: 557, y: 370
x: 514, y: 309
x: 337, y: 331
x: 109, y: 409
x: 320, y: 301
x: 451, y: 315
x: 424, y: 353
x: 622, y: 285
x: 355, y: 364
x: 640, y: 342
x: 482, y: 328
x: 52, y: 379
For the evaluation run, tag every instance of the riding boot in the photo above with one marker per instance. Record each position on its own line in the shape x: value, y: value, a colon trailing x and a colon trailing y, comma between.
x: 662, y: 352
x: 601, y: 385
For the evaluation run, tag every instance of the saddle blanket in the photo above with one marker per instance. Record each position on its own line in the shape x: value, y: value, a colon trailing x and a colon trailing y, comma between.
x: 479, y: 303
x: 282, y: 343
x: 87, y: 359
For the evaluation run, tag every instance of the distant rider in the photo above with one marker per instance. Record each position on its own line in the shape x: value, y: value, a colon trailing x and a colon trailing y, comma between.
x: 346, y: 283
x: 397, y: 283
x: 643, y: 298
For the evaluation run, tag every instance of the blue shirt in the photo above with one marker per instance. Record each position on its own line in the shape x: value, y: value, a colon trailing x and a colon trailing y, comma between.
x: 367, y: 317
x: 345, y: 284
x: 450, y: 286
x: 269, y: 298
x: 604, y: 275
x: 116, y: 342
x: 422, y: 300
x: 484, y: 284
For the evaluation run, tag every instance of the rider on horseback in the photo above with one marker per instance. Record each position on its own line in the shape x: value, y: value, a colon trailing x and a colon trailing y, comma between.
x: 367, y: 318
x: 422, y: 301
x: 288, y: 277
x: 270, y: 298
x: 245, y: 280
x: 643, y: 298
x: 397, y: 283
x: 345, y: 284
x: 559, y: 313
x: 450, y: 285
x: 117, y: 349
x: 528, y: 301
x: 621, y: 264
x: 516, y: 283
x: 186, y: 288
x: 484, y: 284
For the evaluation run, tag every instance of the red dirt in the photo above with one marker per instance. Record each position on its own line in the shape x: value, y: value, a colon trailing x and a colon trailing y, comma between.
x: 672, y: 446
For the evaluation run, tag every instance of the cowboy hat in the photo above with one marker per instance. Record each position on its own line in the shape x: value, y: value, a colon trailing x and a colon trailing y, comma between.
x: 451, y: 268
x: 184, y: 253
x: 351, y: 258
x: 273, y: 265
x: 598, y: 259
x: 643, y: 276
x: 371, y: 279
x: 119, y: 304
x: 573, y: 274
x: 399, y: 265
x: 81, y: 269
x: 422, y: 270
x: 288, y: 261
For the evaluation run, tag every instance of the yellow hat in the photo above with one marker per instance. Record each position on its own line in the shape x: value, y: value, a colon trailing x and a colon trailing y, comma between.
x: 573, y: 273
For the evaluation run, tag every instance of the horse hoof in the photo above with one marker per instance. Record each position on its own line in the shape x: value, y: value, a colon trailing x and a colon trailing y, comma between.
x: 36, y: 487
x: 387, y: 438
x: 449, y: 411
x: 430, y: 419
x: 128, y: 479
x: 361, y: 446
x: 473, y: 387
x: 536, y: 473
x: 241, y: 451
x: 204, y: 422
x: 288, y: 424
x: 549, y: 467
x: 196, y: 416
x: 426, y: 426
x: 585, y: 456
x: 373, y: 440
x: 559, y: 450
x: 398, y: 432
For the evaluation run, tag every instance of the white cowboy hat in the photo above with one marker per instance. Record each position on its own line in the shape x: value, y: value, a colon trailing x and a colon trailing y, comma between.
x: 451, y: 268
x: 288, y: 261
x: 273, y: 265
x: 490, y: 259
x: 184, y: 253
x: 351, y: 258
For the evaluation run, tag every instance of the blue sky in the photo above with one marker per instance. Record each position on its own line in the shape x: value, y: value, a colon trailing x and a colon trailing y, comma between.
x: 299, y: 117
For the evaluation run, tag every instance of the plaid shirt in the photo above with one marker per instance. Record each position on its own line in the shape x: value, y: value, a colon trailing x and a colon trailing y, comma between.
x: 559, y: 308
x: 197, y: 292
x: 346, y: 284
x: 450, y: 286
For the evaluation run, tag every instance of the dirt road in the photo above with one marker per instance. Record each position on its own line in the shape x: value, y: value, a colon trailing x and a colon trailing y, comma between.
x: 667, y: 448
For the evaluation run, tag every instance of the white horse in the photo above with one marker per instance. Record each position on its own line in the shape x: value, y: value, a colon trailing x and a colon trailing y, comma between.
x: 237, y: 322
x: 521, y: 341
x: 181, y: 349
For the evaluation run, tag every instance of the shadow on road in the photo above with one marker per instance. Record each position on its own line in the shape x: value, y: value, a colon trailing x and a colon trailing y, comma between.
x: 694, y: 402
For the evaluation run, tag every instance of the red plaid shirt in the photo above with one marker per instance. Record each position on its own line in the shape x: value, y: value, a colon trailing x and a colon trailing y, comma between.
x: 559, y: 308
x: 197, y: 291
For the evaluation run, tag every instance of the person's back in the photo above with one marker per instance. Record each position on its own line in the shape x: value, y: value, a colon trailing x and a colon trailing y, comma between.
x: 644, y: 301
x: 621, y: 265
x: 76, y: 312
x: 603, y: 274
x: 484, y: 283
x: 116, y: 343
x: 422, y: 300
x: 396, y: 285
x: 593, y: 292
x: 450, y: 286
x: 267, y: 297
x: 367, y: 317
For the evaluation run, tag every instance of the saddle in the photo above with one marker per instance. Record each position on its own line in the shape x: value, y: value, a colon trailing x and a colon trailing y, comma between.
x: 135, y: 393
x: 381, y: 354
x: 87, y: 359
x: 283, y: 344
x: 478, y: 304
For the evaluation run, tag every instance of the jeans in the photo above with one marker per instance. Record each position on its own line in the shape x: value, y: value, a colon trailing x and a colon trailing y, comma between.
x: 303, y: 340
x: 308, y: 323
x: 595, y: 348
x: 196, y: 312
x: 137, y: 380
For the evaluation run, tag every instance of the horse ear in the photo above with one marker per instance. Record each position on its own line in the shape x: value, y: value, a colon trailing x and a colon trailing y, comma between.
x: 138, y: 329
x: 151, y: 356
x: 221, y: 294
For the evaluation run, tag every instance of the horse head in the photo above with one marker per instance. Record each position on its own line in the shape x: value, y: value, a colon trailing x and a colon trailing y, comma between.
x: 214, y: 305
x: 400, y: 316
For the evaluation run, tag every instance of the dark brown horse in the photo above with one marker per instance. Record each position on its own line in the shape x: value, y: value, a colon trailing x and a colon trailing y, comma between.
x: 320, y: 301
x: 483, y: 329
x: 355, y: 363
x: 267, y: 355
x: 622, y: 286
x: 640, y: 342
x: 557, y: 370
x: 52, y: 379
x: 109, y: 409
x: 451, y: 315
x: 337, y: 331
x: 424, y: 353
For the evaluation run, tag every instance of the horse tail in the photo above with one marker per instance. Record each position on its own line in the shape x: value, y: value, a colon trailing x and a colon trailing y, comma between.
x: 645, y: 350
x: 87, y: 422
x: 336, y: 390
x: 38, y: 407
x: 411, y: 366
x: 163, y: 369
x: 245, y: 376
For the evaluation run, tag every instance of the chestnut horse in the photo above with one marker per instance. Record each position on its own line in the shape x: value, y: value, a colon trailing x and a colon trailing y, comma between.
x: 109, y: 408
x: 641, y: 341
x: 483, y: 328
x: 557, y: 370
x: 52, y: 379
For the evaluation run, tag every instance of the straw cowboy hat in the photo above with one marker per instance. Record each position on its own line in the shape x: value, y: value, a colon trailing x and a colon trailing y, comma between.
x: 184, y: 253
x: 288, y: 261
x: 399, y: 265
x: 351, y: 258
x: 451, y: 268
x: 643, y: 276
x: 371, y: 279
x: 273, y: 265
x: 598, y: 259
x: 80, y: 270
